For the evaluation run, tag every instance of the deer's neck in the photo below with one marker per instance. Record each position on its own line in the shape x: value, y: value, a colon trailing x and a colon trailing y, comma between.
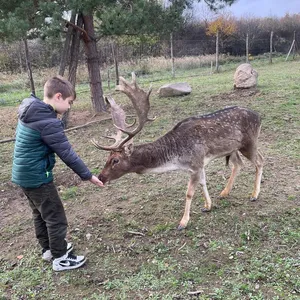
x: 156, y: 157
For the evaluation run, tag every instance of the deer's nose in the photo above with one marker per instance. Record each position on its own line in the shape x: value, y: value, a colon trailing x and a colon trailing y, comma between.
x: 102, y: 178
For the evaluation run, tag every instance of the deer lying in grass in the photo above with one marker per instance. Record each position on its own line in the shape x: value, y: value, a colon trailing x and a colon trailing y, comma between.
x: 189, y: 146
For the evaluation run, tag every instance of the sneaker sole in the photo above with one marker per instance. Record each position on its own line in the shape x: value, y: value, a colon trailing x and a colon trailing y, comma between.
x: 60, y: 268
x: 49, y: 259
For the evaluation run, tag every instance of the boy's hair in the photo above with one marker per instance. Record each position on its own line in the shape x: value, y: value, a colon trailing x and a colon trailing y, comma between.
x: 58, y: 84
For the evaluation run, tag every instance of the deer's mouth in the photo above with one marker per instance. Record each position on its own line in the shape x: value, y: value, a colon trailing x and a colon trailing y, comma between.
x: 103, y: 179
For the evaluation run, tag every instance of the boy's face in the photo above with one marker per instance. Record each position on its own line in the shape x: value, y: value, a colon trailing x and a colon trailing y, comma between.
x: 62, y: 105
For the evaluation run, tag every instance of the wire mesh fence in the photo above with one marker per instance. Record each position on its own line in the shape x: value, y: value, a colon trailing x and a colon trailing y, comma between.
x: 188, y: 57
x: 155, y: 61
x: 45, y: 54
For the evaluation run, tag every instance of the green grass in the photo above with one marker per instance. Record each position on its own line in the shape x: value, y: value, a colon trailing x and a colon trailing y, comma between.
x: 13, y: 91
x: 69, y: 193
x: 240, y: 250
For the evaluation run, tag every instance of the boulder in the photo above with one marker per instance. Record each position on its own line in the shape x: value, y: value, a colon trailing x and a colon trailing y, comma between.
x: 245, y: 77
x: 174, y: 89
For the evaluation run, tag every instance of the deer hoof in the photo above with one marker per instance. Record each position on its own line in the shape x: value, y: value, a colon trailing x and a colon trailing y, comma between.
x: 253, y: 199
x: 181, y: 227
x: 204, y: 209
x: 223, y: 195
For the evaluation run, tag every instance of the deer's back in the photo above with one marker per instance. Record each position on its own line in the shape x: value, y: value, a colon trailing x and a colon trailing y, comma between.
x: 220, y: 132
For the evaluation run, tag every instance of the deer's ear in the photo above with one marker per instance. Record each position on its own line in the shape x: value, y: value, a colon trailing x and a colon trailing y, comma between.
x: 128, y: 149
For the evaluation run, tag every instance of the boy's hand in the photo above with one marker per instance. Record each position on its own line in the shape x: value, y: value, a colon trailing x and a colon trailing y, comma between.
x: 96, y: 181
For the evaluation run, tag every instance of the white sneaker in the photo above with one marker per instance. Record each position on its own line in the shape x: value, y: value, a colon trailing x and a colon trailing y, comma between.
x: 47, y: 255
x: 68, y: 262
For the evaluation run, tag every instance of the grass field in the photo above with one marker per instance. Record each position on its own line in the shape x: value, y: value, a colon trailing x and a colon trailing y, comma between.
x: 240, y: 250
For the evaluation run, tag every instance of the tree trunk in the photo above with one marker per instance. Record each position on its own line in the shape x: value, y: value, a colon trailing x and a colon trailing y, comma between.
x: 28, y: 64
x: 74, y: 56
x: 66, y: 49
x: 75, y: 51
x: 93, y: 64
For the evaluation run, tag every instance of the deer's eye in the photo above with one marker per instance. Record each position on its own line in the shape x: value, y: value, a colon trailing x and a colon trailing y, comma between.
x: 115, y: 161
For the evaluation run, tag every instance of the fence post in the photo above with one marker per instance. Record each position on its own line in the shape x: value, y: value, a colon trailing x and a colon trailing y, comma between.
x: 294, y: 48
x: 293, y: 43
x: 247, y: 48
x: 172, y: 55
x: 217, y: 52
x: 271, y: 47
x: 115, y: 57
x: 20, y: 58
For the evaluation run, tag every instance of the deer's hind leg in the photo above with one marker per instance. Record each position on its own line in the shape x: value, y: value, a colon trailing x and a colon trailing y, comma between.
x: 257, y: 159
x: 237, y: 164
x: 207, y: 200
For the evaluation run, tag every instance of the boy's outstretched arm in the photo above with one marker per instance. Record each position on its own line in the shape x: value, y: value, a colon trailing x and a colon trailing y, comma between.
x: 53, y: 135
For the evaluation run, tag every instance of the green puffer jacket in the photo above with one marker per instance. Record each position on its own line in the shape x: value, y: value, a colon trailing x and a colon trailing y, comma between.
x: 39, y: 136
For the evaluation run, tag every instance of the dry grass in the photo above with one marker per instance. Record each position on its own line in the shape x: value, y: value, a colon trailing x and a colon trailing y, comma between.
x: 159, y: 65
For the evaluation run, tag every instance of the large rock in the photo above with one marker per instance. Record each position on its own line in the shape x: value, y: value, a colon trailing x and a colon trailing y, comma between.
x: 245, y: 77
x: 174, y: 89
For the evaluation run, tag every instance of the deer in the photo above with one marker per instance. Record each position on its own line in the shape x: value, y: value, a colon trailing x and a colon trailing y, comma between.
x: 189, y: 146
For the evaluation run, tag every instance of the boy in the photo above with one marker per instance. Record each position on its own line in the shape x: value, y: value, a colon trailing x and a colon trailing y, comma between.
x: 39, y: 136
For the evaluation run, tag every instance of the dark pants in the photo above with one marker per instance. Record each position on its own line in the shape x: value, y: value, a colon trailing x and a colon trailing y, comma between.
x: 49, y: 217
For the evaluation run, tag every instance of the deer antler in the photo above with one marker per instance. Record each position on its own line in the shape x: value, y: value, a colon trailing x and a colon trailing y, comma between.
x: 140, y: 102
x: 119, y: 120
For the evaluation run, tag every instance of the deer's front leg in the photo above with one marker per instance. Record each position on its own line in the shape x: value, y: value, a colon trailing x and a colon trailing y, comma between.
x: 189, y: 195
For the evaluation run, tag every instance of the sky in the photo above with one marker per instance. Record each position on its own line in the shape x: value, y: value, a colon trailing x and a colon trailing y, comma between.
x: 260, y: 8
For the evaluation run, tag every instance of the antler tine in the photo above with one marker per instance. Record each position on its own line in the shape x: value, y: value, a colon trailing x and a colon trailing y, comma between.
x: 119, y: 120
x: 125, y: 86
x: 100, y: 147
x: 140, y: 102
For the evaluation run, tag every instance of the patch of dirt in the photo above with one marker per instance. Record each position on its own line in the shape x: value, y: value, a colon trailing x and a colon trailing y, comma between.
x: 66, y: 178
x: 15, y: 217
x: 236, y: 95
x: 8, y: 121
x: 11, y: 203
x: 78, y: 117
